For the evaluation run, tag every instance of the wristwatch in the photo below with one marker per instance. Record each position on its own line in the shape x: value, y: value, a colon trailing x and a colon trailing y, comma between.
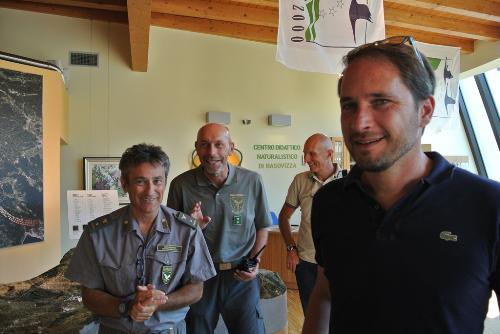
x: 123, y: 308
x: 291, y: 247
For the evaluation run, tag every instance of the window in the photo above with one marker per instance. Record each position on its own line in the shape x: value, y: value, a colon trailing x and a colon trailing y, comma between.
x: 480, y: 114
x: 493, y: 79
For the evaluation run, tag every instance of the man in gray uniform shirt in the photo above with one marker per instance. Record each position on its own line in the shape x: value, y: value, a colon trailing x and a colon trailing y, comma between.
x: 234, y: 197
x: 142, y: 265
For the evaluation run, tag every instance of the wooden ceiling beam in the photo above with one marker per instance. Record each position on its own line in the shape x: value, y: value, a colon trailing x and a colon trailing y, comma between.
x: 268, y: 34
x: 417, y: 19
x: 425, y: 21
x: 218, y: 10
x: 139, y: 22
x: 465, y: 45
x: 258, y: 20
x: 480, y: 9
x: 214, y: 27
x: 77, y: 12
x: 262, y: 3
x: 113, y: 5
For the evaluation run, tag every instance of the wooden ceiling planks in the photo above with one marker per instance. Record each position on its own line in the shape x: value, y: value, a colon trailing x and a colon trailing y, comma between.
x: 453, y: 22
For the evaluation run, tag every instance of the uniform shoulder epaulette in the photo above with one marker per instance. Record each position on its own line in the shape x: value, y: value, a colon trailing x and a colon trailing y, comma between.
x: 106, y: 220
x: 186, y: 219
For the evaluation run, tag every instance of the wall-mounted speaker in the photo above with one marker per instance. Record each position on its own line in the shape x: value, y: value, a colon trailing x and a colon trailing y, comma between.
x: 218, y: 117
x: 279, y: 120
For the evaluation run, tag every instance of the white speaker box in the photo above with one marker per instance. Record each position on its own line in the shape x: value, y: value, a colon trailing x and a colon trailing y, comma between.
x: 218, y: 117
x: 279, y: 120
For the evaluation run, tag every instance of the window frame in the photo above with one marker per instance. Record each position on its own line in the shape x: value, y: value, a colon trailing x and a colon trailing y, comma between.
x: 471, y: 136
x: 489, y: 105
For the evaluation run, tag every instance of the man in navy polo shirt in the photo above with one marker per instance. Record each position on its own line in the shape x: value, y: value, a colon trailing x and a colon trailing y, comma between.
x: 406, y: 243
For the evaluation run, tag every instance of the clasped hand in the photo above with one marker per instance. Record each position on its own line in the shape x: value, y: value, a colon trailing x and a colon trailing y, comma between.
x: 146, y: 302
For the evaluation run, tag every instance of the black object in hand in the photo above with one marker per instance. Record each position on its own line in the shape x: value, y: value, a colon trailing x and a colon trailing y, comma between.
x: 248, y: 263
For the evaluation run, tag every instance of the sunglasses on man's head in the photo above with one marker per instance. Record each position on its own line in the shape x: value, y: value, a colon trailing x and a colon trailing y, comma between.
x: 399, y: 40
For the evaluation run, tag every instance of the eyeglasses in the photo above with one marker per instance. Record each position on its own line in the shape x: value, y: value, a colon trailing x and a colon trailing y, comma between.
x: 400, y: 40
x: 140, y: 267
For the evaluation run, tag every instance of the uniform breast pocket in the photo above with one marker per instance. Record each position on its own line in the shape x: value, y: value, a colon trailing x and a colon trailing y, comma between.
x: 119, y: 278
x: 167, y: 269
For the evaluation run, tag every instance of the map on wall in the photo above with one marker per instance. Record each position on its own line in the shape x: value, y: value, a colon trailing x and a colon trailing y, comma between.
x: 21, y: 186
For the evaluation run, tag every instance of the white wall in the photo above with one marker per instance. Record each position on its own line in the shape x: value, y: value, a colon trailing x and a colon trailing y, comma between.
x: 112, y: 107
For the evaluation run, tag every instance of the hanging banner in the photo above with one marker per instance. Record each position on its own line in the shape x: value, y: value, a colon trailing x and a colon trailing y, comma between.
x: 445, y: 61
x: 314, y: 35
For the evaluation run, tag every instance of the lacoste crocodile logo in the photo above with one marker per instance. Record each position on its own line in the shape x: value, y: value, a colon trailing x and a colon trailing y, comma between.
x: 448, y: 236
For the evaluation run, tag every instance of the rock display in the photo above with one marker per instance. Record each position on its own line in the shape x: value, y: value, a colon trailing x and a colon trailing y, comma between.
x: 50, y: 303
x: 271, y: 284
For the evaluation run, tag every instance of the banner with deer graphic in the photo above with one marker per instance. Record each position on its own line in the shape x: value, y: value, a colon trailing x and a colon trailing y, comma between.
x: 445, y: 61
x: 313, y: 35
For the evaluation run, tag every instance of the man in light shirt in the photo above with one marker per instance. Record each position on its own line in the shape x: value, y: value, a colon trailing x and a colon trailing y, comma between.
x: 318, y: 152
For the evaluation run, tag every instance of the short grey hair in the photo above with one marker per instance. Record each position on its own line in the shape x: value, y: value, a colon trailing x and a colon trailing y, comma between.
x: 140, y: 153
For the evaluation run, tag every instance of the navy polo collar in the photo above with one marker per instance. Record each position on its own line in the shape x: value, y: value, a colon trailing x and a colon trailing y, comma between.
x: 441, y: 171
x: 353, y: 178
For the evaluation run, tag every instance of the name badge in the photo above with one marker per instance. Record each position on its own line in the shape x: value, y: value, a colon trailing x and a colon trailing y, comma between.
x: 169, y: 248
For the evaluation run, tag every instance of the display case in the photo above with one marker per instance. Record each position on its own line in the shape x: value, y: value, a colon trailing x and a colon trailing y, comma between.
x: 340, y: 153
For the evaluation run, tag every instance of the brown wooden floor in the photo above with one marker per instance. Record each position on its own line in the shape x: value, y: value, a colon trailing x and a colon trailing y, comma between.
x: 295, y: 314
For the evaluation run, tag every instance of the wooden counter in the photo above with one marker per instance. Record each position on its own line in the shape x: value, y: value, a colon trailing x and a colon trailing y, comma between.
x: 274, y: 257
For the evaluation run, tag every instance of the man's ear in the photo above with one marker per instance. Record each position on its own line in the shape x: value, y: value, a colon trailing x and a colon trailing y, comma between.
x: 330, y: 153
x: 426, y: 111
x: 123, y: 183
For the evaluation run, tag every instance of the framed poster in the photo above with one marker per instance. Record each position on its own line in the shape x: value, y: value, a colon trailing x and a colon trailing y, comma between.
x: 102, y: 173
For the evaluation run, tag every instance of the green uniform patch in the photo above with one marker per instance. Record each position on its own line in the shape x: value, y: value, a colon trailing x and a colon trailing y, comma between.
x: 237, y: 220
x: 166, y: 273
x: 237, y: 202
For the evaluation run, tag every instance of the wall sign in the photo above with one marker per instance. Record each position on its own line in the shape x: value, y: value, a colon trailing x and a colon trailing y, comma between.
x: 278, y: 156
